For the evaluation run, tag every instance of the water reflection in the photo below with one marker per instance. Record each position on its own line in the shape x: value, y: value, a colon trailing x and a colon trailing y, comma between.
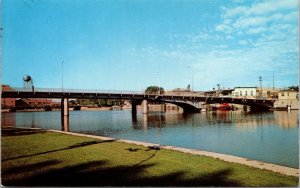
x: 287, y: 120
x: 33, y: 125
x: 134, y: 120
x: 145, y: 121
x: 65, y: 123
x: 8, y: 119
x: 242, y: 120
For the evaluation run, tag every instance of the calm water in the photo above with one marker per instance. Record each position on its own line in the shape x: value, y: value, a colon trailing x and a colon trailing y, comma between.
x: 270, y: 137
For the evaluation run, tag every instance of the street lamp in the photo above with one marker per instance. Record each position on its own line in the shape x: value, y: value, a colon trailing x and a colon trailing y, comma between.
x: 62, y: 76
x: 189, y: 67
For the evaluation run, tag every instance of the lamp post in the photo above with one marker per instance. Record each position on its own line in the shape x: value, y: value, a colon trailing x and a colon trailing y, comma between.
x: 189, y: 67
x: 62, y: 76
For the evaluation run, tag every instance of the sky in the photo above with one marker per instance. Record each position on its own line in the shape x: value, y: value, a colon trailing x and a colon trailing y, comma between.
x: 132, y: 44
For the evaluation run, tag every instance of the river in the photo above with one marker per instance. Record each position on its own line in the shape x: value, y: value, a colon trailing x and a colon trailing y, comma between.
x: 270, y: 136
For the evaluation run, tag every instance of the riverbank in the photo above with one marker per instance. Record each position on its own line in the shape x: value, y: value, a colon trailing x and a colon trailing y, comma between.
x: 37, y: 157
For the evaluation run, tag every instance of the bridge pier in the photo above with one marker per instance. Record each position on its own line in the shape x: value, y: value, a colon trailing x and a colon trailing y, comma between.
x: 133, y: 107
x: 145, y: 106
x: 163, y: 107
x: 65, y: 123
x: 64, y: 106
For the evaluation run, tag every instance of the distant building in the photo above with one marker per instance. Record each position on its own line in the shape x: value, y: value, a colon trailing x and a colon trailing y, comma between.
x: 7, y: 102
x: 183, y: 91
x: 244, y: 92
x: 287, y: 98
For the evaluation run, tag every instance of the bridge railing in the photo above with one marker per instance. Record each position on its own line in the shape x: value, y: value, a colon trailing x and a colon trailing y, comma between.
x: 75, y: 90
x: 100, y: 91
x: 86, y: 91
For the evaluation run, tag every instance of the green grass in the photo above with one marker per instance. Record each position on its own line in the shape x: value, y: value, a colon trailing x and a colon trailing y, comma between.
x: 39, y: 158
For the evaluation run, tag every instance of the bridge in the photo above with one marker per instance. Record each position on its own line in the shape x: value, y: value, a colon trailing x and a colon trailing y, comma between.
x: 189, y: 102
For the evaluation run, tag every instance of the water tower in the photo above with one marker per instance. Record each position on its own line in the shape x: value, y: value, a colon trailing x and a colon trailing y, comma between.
x: 28, y: 82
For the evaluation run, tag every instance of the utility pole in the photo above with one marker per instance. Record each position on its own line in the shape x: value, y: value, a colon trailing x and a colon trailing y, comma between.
x: 158, y: 83
x: 192, y: 80
x: 260, y: 80
x: 62, y: 76
x: 218, y: 85
x: 273, y: 81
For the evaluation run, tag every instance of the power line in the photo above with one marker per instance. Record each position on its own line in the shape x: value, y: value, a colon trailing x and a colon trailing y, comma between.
x: 62, y: 76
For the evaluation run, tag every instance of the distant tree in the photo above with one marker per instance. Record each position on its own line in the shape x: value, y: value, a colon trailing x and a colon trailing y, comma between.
x: 154, y: 90
x: 294, y: 88
x: 189, y: 87
x: 109, y: 102
x: 72, y: 102
x: 102, y: 102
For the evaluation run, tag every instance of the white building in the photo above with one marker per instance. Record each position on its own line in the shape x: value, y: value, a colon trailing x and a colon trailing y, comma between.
x: 244, y: 92
x: 287, y: 98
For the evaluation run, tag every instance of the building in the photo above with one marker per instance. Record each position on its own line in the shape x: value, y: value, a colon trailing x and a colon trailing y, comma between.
x: 7, y: 102
x: 267, y: 93
x: 226, y: 92
x: 287, y: 98
x: 244, y: 92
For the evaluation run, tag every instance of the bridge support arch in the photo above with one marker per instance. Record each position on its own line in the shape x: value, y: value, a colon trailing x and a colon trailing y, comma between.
x: 188, y: 107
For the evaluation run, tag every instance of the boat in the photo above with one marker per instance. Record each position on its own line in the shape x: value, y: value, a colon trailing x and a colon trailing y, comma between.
x: 225, y: 107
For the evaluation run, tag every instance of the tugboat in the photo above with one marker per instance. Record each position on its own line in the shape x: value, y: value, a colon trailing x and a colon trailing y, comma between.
x: 225, y: 107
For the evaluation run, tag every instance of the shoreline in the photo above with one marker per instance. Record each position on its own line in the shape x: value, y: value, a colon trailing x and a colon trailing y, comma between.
x: 225, y: 157
x: 110, y: 109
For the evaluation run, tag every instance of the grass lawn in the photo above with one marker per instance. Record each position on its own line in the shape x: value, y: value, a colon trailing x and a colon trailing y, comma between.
x: 40, y: 158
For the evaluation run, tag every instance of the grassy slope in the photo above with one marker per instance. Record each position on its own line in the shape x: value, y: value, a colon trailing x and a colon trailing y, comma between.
x: 45, y: 158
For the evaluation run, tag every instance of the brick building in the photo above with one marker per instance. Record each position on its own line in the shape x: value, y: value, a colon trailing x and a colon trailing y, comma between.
x: 7, y: 102
x: 36, y: 103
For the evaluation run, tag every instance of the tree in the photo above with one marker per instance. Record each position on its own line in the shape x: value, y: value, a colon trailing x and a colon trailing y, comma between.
x: 154, y: 90
x: 72, y: 102
x: 189, y: 87
x: 294, y: 88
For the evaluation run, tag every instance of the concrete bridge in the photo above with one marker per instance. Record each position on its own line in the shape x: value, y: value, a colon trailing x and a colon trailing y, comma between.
x: 189, y: 103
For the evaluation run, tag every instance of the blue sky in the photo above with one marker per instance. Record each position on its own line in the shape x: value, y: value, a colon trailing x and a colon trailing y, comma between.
x: 129, y: 45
